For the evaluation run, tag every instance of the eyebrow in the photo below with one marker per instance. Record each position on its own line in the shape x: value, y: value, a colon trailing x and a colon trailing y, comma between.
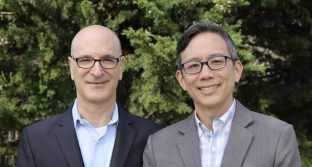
x: 192, y: 59
x: 209, y: 57
x: 217, y: 54
x: 101, y: 57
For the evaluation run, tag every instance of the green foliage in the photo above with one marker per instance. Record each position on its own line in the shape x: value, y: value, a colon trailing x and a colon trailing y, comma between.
x: 152, y: 64
x: 273, y: 40
x: 280, y: 34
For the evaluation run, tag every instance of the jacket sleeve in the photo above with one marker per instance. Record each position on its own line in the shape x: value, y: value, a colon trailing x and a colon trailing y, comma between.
x: 24, y: 155
x: 148, y: 155
x: 287, y: 153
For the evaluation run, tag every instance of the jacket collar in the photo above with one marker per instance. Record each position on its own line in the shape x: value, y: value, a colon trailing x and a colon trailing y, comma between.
x: 67, y: 139
x: 124, y: 139
x: 239, y: 138
x: 188, y: 143
x: 238, y: 142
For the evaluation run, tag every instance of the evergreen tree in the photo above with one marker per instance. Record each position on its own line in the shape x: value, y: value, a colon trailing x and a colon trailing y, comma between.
x: 280, y: 35
x: 273, y: 40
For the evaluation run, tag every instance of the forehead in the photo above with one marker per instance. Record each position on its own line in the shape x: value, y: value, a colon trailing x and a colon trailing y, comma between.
x: 205, y: 44
x: 96, y: 42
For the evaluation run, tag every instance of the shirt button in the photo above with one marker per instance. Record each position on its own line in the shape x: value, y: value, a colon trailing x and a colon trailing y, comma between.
x: 226, y: 130
x: 213, y: 149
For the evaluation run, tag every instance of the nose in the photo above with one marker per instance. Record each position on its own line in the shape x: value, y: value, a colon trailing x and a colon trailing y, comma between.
x: 206, y: 71
x: 97, y: 69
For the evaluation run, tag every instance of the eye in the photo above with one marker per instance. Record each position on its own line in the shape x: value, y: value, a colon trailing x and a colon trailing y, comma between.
x: 191, y: 65
x: 108, y: 60
x: 85, y: 60
x: 217, y: 60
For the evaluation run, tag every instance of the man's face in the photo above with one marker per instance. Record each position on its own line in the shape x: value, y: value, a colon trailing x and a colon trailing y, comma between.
x: 209, y: 89
x: 96, y: 85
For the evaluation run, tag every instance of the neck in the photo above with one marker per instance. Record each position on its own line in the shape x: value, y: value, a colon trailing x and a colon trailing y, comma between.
x: 207, y: 114
x: 97, y: 115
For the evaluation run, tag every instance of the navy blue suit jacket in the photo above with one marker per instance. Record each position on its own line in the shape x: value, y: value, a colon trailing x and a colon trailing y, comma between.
x: 53, y: 142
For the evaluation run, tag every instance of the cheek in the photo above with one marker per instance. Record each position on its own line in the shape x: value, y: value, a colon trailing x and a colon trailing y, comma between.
x: 190, y: 83
x: 77, y: 79
x: 79, y: 76
x: 230, y: 81
x: 114, y: 75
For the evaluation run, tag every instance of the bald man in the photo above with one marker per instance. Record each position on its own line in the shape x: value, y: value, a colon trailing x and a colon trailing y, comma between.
x: 94, y: 131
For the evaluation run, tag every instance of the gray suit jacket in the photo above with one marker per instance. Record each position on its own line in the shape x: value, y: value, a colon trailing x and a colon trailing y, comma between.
x: 255, y: 140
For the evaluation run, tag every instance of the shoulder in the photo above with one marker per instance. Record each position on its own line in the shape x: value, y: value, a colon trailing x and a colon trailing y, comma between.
x: 246, y: 117
x: 177, y: 129
x: 270, y: 123
x: 46, y: 125
x: 268, y: 119
x: 260, y: 124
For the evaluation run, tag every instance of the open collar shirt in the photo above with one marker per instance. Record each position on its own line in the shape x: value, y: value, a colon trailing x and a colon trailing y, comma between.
x: 213, y: 143
x: 96, y: 144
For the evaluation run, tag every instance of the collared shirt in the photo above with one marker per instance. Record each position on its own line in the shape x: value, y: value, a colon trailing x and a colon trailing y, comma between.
x: 96, y: 144
x: 212, y: 143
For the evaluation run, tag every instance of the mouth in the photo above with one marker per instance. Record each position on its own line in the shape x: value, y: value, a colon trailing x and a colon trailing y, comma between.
x: 97, y: 82
x: 208, y: 89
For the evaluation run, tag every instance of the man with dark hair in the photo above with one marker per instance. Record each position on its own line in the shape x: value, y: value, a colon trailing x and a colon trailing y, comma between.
x: 94, y: 131
x: 220, y: 131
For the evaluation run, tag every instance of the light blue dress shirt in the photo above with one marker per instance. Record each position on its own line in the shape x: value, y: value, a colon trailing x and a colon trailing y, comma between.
x: 213, y: 143
x: 96, y: 144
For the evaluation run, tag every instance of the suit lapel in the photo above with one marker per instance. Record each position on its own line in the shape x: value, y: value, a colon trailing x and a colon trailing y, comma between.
x: 66, y: 137
x: 239, y: 138
x: 188, y: 143
x: 124, y: 139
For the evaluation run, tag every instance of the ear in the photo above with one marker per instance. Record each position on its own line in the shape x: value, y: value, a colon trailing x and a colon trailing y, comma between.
x: 238, y: 70
x: 70, y: 64
x: 122, y: 64
x: 180, y: 79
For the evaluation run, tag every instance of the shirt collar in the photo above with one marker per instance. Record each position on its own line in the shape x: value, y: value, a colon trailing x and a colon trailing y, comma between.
x: 77, y: 117
x: 226, y: 119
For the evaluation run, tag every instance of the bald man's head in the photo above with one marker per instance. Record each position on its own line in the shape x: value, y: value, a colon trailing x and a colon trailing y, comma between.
x: 97, y: 49
x: 95, y: 36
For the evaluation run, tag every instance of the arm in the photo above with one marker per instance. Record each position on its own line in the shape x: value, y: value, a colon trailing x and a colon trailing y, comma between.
x: 148, y: 156
x: 24, y: 155
x: 287, y: 153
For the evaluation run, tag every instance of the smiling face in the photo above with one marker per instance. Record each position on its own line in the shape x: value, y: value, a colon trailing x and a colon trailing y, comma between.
x: 96, y: 85
x: 211, y: 90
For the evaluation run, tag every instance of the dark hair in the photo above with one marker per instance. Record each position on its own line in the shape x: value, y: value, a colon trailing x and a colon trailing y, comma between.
x: 202, y: 27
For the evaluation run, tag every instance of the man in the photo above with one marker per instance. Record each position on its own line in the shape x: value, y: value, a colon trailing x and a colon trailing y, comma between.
x: 221, y: 131
x: 95, y: 131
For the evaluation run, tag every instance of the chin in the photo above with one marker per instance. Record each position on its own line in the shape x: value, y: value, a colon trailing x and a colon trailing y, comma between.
x: 209, y: 102
x: 97, y: 99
